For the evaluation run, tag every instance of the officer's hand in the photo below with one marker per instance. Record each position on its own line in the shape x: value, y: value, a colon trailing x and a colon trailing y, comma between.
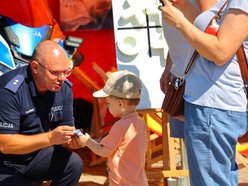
x: 61, y: 135
x: 74, y: 143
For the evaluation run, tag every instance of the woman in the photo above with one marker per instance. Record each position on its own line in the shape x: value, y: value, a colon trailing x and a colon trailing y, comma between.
x: 215, y: 95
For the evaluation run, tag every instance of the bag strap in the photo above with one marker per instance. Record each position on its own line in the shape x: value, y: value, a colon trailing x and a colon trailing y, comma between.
x: 194, y: 55
x: 242, y: 60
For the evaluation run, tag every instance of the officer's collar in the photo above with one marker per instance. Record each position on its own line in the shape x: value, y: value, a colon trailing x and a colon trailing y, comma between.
x: 31, y: 83
x: 32, y: 87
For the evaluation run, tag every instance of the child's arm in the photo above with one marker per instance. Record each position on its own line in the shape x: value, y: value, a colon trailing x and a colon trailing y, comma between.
x: 99, y: 149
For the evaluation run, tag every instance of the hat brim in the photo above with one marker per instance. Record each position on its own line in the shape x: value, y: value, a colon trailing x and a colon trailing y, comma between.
x: 100, y: 94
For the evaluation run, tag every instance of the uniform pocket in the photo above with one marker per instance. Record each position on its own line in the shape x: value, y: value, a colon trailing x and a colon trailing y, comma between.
x: 55, y: 116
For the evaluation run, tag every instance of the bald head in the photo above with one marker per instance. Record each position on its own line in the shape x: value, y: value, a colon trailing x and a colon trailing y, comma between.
x: 50, y: 66
x: 48, y: 49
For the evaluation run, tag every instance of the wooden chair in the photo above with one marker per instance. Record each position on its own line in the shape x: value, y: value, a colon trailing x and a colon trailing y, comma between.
x: 170, y: 168
x: 152, y: 118
x: 241, y: 155
x: 162, y: 147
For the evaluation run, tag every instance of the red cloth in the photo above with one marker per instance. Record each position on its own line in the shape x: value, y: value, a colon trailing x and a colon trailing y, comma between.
x: 99, y: 47
x: 28, y: 12
x: 31, y: 13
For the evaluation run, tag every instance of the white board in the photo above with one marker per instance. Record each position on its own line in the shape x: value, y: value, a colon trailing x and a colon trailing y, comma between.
x: 140, y: 45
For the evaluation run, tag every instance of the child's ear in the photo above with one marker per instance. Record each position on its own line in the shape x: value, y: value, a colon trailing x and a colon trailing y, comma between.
x: 120, y: 102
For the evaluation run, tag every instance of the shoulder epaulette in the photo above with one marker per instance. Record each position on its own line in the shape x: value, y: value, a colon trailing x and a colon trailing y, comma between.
x: 14, y: 84
x: 68, y: 82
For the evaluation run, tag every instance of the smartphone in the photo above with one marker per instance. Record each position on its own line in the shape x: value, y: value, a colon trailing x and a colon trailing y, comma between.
x: 161, y: 2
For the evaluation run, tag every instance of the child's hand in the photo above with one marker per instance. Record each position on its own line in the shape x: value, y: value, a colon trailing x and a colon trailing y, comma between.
x: 83, y: 139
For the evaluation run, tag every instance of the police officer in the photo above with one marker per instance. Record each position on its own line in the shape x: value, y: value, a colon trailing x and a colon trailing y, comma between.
x: 36, y: 121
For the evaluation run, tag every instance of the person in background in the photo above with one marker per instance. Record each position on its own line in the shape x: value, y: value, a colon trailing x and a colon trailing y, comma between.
x: 85, y: 14
x: 126, y: 143
x: 36, y: 121
x: 215, y: 95
x: 175, y: 61
x: 175, y: 66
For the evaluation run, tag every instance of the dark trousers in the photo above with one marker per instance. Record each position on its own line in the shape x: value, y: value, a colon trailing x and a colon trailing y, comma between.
x: 57, y: 164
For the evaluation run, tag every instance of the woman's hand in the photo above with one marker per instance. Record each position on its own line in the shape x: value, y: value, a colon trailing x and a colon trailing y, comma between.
x: 164, y: 81
x: 171, y: 15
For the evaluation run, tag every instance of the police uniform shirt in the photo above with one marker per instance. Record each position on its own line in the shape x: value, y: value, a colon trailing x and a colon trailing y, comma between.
x: 24, y: 111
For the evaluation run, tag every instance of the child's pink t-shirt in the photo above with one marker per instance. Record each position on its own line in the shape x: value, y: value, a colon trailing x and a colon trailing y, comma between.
x: 128, y: 138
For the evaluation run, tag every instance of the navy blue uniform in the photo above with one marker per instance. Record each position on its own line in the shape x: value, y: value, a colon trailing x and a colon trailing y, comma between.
x: 24, y: 111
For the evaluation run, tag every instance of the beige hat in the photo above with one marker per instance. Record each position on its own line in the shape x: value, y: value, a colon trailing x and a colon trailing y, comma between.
x: 122, y: 84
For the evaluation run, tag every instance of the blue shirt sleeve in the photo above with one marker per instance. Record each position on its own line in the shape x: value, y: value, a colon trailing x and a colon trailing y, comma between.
x: 9, y: 113
x: 239, y: 4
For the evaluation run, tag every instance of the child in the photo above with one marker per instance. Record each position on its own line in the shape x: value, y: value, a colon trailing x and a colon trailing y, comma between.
x: 126, y: 144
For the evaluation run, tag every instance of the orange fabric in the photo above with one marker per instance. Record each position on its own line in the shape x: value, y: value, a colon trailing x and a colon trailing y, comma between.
x: 57, y: 33
x: 28, y: 12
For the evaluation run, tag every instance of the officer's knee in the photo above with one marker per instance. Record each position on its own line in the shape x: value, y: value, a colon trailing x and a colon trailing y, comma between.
x: 76, y: 163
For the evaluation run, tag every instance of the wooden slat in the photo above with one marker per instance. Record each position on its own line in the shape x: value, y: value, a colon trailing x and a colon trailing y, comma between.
x: 175, y: 173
